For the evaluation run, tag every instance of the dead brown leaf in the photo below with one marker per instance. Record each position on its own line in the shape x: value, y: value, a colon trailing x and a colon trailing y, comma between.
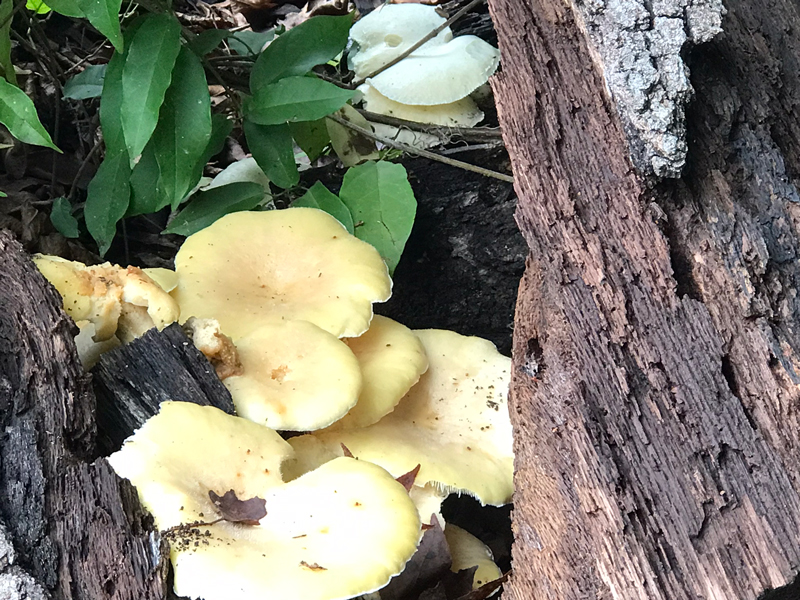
x: 247, y: 512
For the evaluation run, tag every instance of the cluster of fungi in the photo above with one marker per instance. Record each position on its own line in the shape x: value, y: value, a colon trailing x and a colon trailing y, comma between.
x: 281, y: 302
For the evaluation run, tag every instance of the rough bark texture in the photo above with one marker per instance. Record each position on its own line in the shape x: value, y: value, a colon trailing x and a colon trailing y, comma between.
x: 132, y: 381
x: 68, y: 529
x: 655, y: 390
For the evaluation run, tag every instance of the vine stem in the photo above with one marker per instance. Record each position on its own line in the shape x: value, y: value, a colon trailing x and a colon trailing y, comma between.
x: 464, y: 10
x: 419, y: 152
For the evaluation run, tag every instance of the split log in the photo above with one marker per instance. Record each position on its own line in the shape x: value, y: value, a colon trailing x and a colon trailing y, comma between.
x: 656, y: 378
x: 132, y: 381
x: 69, y: 529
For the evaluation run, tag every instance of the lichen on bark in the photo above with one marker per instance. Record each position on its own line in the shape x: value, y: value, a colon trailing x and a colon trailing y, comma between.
x: 638, y: 45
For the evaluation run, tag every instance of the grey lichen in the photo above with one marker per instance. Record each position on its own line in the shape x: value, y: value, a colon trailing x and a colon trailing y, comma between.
x: 16, y: 584
x: 638, y: 44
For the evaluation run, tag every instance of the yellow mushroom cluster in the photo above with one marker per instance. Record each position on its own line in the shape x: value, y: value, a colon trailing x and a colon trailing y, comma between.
x: 281, y: 303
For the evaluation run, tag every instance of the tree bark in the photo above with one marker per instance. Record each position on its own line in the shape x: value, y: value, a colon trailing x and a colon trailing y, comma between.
x: 69, y: 529
x: 656, y: 371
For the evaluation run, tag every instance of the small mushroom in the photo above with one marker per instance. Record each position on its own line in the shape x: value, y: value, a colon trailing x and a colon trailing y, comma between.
x: 391, y: 359
x: 454, y: 423
x: 338, y: 532
x: 116, y: 300
x: 461, y: 113
x: 166, y: 279
x: 467, y: 552
x: 295, y: 377
x: 440, y: 74
x: 254, y: 268
x: 389, y: 31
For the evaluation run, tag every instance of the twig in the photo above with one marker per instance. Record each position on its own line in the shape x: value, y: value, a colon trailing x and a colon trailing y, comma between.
x: 469, y: 148
x: 468, y: 134
x: 424, y: 40
x: 423, y: 153
x: 187, y: 33
x: 82, y: 168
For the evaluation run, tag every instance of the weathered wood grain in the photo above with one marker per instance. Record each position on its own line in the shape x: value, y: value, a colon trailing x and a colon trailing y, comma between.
x: 77, y: 532
x: 656, y: 385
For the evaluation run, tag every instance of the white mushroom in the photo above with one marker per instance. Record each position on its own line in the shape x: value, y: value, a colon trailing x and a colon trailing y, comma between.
x: 440, y: 74
x: 387, y: 32
x: 461, y: 113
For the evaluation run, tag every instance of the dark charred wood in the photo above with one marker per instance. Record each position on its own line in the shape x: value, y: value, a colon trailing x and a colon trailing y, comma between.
x: 76, y: 531
x: 462, y: 264
x: 132, y: 381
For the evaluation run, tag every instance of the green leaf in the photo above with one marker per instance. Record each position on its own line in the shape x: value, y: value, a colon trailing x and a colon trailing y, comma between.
x: 146, y: 194
x: 37, y: 7
x: 249, y: 43
x: 271, y: 146
x: 69, y: 8
x: 19, y: 115
x: 296, y: 99
x: 104, y: 16
x: 146, y: 76
x: 184, y: 127
x: 111, y: 106
x: 381, y: 200
x: 86, y: 84
x: 311, y: 136
x: 6, y: 14
x: 295, y: 52
x: 318, y: 196
x: 215, y: 203
x: 107, y: 199
x: 208, y: 41
x: 351, y: 147
x: 221, y: 127
x: 62, y: 219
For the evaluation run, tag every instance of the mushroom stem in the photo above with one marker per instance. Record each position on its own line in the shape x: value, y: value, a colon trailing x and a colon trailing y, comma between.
x: 422, y: 42
x: 419, y: 152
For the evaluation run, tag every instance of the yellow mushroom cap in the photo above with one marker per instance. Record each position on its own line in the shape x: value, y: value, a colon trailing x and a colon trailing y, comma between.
x: 428, y: 500
x: 468, y: 551
x: 392, y: 359
x: 295, y: 377
x: 85, y: 297
x: 176, y: 457
x: 454, y: 423
x: 251, y: 268
x: 338, y: 532
x: 167, y: 279
x: 102, y: 294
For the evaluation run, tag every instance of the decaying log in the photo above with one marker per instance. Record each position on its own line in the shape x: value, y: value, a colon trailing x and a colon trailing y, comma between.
x: 69, y: 529
x: 132, y: 381
x: 656, y: 383
x: 462, y: 264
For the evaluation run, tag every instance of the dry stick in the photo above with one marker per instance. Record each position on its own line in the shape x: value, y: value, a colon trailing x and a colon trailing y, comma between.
x: 468, y: 134
x: 423, y: 153
x: 82, y: 168
x: 424, y: 40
